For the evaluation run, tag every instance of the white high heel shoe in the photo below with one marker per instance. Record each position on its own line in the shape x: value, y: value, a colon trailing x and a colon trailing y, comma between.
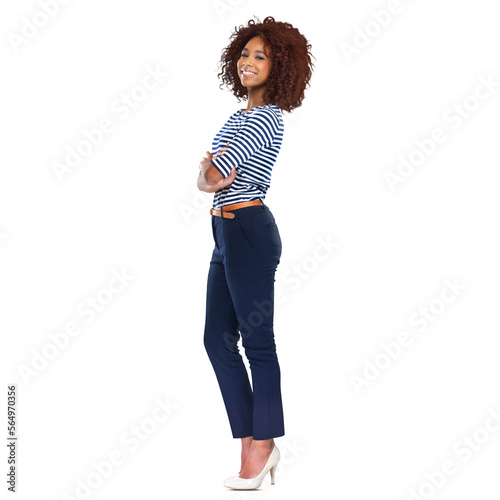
x: 239, y: 483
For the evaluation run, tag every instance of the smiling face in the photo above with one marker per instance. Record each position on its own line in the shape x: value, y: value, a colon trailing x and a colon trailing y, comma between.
x: 254, y: 64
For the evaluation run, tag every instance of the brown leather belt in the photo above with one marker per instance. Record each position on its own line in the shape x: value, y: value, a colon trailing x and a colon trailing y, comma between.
x: 234, y: 206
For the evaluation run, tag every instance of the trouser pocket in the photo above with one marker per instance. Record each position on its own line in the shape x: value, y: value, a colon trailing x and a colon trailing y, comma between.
x: 246, y: 227
x: 214, y: 231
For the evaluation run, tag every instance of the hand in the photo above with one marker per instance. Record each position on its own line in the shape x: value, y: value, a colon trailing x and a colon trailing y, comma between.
x: 205, y: 161
x: 205, y: 165
x: 222, y: 150
x: 226, y: 181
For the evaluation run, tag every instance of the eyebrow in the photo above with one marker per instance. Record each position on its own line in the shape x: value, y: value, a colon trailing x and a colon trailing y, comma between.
x: 254, y: 50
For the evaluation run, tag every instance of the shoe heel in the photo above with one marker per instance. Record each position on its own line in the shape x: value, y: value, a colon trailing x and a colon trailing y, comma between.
x: 272, y: 470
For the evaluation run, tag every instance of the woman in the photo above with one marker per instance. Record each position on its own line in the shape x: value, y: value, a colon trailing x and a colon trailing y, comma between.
x: 269, y: 64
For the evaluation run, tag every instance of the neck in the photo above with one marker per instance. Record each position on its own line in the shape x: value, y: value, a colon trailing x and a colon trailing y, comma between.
x: 255, y: 98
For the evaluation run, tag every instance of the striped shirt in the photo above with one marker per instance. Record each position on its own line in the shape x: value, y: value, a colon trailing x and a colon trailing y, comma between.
x: 255, y: 139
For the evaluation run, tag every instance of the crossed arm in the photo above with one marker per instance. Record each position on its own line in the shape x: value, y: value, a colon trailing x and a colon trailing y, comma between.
x: 255, y: 133
x: 210, y: 179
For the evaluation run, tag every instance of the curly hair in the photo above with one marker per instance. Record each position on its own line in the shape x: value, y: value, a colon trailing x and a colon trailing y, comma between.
x: 291, y: 67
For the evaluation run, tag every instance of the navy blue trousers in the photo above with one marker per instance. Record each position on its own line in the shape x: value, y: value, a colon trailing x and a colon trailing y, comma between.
x: 240, y: 301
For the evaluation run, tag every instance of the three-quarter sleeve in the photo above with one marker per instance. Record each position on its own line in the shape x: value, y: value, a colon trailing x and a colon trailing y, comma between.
x: 258, y: 131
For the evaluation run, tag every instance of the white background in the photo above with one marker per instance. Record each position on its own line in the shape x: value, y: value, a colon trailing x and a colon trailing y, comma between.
x: 132, y: 206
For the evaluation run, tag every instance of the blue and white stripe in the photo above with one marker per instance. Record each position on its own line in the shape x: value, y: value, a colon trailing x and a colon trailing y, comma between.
x: 255, y: 139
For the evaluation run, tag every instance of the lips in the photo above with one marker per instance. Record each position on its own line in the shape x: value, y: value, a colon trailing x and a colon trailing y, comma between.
x: 248, y: 73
